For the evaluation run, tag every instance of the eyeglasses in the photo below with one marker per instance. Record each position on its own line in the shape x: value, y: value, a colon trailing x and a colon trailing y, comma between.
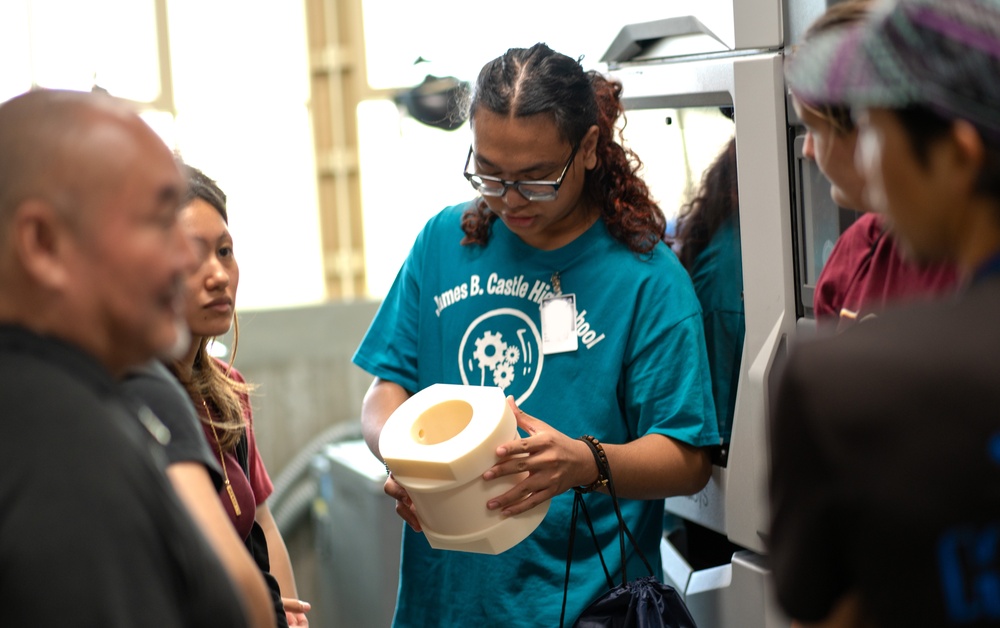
x: 530, y: 190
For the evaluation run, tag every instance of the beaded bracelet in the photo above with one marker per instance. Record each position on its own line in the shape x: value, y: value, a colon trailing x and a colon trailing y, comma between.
x: 602, y: 465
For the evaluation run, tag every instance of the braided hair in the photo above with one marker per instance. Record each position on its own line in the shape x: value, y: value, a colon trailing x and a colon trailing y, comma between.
x: 529, y: 81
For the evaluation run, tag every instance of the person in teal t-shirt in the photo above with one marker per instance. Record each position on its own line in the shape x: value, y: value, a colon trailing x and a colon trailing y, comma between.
x: 708, y: 243
x: 560, y: 211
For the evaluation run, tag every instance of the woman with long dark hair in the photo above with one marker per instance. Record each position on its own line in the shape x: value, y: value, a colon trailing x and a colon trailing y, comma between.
x: 221, y: 395
x: 708, y: 243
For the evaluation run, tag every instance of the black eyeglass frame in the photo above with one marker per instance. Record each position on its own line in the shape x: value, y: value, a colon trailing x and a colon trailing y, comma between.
x: 529, y: 195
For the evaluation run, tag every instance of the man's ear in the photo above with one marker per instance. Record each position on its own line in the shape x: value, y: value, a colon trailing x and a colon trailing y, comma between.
x: 968, y: 153
x: 40, y: 239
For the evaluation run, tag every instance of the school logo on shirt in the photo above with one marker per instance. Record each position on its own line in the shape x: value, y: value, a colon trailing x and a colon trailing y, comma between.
x: 502, y: 348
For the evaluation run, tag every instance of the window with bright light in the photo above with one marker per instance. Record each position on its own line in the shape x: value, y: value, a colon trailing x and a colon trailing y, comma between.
x: 233, y: 108
x: 78, y: 45
x: 109, y: 43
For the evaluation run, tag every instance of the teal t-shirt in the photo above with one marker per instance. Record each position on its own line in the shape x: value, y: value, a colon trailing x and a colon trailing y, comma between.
x: 470, y: 315
x: 717, y: 274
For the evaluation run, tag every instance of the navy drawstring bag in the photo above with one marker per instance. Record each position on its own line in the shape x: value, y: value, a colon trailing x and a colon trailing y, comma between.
x: 641, y: 603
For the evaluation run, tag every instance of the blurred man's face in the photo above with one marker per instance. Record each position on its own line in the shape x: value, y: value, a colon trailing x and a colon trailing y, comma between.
x: 919, y: 198
x: 131, y: 252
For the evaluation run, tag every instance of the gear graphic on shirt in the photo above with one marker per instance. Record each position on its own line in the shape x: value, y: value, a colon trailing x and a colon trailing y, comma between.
x: 486, y: 359
x: 503, y: 374
x: 511, y: 354
x: 502, y: 348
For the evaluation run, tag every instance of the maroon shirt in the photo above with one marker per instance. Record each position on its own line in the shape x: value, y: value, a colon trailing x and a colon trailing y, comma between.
x: 866, y: 273
x: 250, y: 491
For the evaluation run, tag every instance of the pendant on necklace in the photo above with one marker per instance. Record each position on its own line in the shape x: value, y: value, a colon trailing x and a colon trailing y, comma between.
x: 232, y: 496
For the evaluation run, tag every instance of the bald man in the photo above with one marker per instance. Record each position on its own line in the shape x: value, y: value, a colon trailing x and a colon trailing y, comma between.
x: 91, y: 261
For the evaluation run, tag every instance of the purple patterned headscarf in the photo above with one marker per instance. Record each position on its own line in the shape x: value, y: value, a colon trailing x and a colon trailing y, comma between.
x: 939, y: 54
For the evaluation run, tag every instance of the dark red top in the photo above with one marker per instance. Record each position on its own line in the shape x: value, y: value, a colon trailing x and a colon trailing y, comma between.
x: 866, y: 273
x: 250, y: 491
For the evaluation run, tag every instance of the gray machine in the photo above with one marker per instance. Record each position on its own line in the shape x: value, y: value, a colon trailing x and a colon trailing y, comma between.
x: 733, y: 60
x: 357, y: 537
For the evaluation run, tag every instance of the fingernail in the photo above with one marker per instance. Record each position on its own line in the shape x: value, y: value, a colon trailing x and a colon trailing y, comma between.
x: 501, y: 451
x: 489, y: 475
x: 493, y: 505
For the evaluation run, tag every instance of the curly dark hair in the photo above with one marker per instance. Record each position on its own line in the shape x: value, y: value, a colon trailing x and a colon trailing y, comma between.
x: 529, y: 81
x: 717, y: 200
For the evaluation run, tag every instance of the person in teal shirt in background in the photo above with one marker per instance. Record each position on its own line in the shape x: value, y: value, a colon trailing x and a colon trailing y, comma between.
x: 708, y: 243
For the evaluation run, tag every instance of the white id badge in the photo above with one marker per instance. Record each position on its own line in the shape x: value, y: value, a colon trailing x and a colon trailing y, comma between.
x: 559, y: 324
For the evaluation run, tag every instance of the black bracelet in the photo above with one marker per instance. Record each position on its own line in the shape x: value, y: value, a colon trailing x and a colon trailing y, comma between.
x: 602, y: 464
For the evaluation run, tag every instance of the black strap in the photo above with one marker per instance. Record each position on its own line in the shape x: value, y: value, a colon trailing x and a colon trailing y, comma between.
x: 579, y: 504
x: 622, y: 526
x: 243, y: 452
x: 256, y: 542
